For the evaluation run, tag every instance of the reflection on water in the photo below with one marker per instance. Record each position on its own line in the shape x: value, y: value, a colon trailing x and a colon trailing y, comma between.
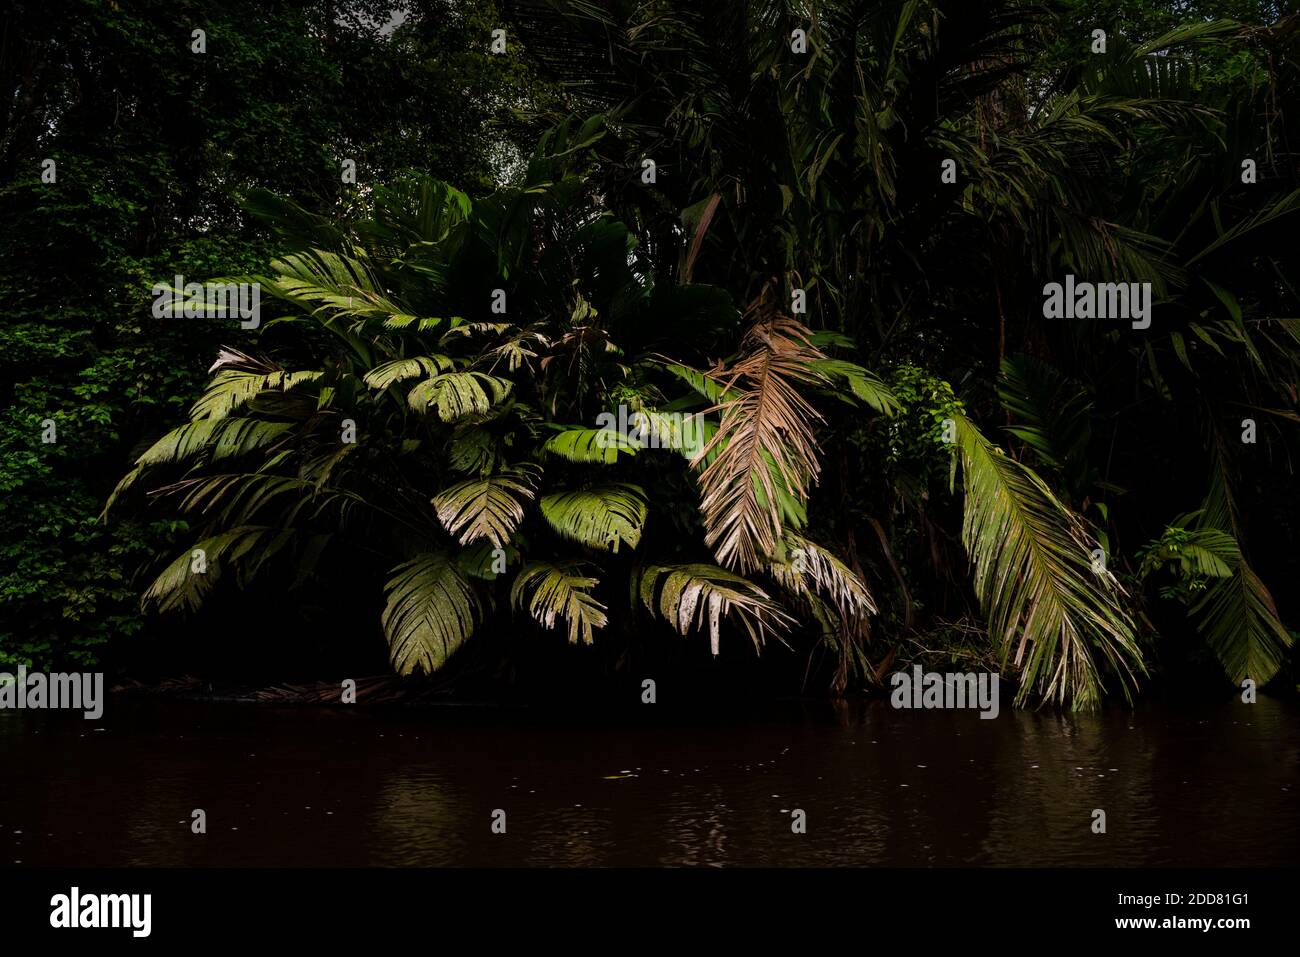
x: 346, y: 787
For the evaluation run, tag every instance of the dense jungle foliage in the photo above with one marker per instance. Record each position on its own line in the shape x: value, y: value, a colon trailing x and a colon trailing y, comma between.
x: 801, y: 248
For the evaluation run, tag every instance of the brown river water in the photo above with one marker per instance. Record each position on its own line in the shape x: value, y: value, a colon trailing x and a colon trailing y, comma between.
x: 1214, y: 785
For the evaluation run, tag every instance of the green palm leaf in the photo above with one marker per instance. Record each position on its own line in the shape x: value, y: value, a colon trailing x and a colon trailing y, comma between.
x: 590, y: 445
x: 485, y: 508
x: 690, y: 596
x: 1035, y: 580
x: 603, y: 516
x: 415, y: 367
x: 557, y: 590
x: 1237, y: 616
x: 181, y: 586
x: 1055, y: 412
x: 217, y: 438
x: 458, y: 395
x: 861, y: 382
x: 333, y: 286
x: 232, y: 389
x: 1240, y: 623
x: 431, y: 611
x: 222, y: 438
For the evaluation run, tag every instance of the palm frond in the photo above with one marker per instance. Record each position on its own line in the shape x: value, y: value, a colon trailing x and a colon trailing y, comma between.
x: 474, y: 449
x: 1237, y: 616
x: 213, y: 439
x: 459, y: 395
x: 1211, y: 553
x: 1035, y: 580
x: 399, y: 370
x: 221, y: 438
x: 809, y: 566
x: 861, y: 382
x: 551, y: 590
x: 430, y: 612
x: 1239, y: 620
x: 180, y: 586
x: 590, y: 445
x: 691, y: 597
x: 1053, y: 413
x: 232, y: 389
x: 602, y: 516
x: 764, y: 445
x: 486, y: 508
x: 332, y: 285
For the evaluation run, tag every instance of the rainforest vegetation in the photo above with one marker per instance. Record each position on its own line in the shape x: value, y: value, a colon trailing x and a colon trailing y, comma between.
x: 803, y: 246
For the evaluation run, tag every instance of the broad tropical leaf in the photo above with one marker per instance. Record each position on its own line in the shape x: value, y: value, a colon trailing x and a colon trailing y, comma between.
x: 1240, y: 623
x: 591, y: 445
x: 602, y: 516
x: 551, y: 590
x: 691, y: 597
x: 458, y: 395
x: 485, y: 508
x: 431, y: 610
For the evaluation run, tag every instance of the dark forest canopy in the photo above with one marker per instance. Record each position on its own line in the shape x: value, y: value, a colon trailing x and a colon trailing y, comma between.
x: 803, y: 254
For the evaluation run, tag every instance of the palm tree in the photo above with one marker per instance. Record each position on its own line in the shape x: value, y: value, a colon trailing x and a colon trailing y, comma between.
x: 739, y: 221
x: 819, y: 166
x: 447, y: 427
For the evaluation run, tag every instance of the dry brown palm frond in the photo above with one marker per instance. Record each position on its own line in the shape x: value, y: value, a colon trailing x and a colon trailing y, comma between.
x: 812, y: 568
x: 238, y: 359
x: 762, y: 460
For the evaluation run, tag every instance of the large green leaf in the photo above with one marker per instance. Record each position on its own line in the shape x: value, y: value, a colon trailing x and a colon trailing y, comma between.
x: 552, y: 590
x: 603, y: 516
x: 691, y: 597
x: 485, y: 508
x: 190, y: 578
x: 590, y: 445
x: 1049, y: 610
x: 1240, y: 623
x: 458, y: 395
x: 231, y: 389
x: 1237, y: 616
x: 415, y: 367
x: 431, y: 611
x: 208, y: 439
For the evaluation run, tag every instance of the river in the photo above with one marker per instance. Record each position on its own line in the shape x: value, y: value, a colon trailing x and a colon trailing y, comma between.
x: 350, y: 786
